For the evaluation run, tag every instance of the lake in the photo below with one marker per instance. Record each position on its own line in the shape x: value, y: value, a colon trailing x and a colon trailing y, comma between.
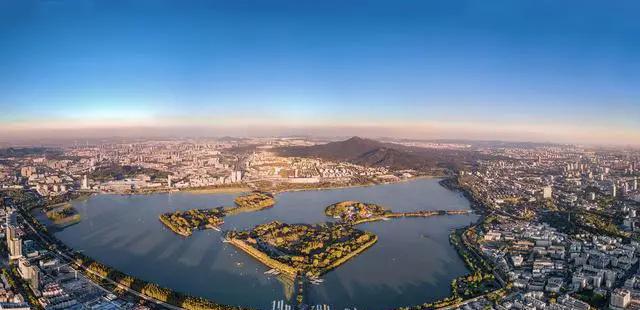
x: 411, y: 263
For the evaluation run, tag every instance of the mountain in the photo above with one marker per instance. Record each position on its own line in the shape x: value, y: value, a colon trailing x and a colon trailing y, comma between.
x: 372, y: 153
x: 341, y: 150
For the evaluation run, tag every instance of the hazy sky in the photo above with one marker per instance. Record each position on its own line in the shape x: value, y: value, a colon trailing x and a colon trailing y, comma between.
x: 519, y: 70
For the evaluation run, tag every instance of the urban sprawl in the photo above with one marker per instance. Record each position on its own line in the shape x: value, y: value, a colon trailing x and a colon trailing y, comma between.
x: 558, y: 228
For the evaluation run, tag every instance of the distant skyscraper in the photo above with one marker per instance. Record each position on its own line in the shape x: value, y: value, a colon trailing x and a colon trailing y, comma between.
x: 169, y: 181
x: 236, y: 176
x: 85, y: 182
x: 546, y: 192
x: 614, y: 190
x: 635, y: 184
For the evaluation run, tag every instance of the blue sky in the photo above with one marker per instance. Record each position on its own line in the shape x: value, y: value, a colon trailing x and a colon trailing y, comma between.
x: 510, y: 68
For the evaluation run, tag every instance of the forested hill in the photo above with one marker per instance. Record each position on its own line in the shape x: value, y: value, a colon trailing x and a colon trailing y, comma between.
x: 372, y: 153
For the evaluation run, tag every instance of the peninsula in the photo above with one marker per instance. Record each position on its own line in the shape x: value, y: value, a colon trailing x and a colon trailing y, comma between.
x: 355, y: 212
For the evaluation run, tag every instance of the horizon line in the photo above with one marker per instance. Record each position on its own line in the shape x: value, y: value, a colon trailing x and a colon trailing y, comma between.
x: 6, y: 142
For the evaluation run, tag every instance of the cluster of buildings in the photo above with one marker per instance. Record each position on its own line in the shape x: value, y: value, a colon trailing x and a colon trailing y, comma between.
x: 536, y: 258
x: 167, y: 165
x: 267, y: 166
x: 50, y: 278
x: 563, y: 228
x: 565, y: 218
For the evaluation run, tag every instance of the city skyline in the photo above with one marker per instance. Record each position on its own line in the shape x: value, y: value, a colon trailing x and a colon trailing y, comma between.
x: 561, y: 72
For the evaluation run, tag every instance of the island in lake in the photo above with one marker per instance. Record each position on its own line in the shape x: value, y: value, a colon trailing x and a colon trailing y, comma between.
x: 302, y: 249
x: 63, y: 214
x: 355, y: 212
x: 250, y: 202
x: 185, y: 222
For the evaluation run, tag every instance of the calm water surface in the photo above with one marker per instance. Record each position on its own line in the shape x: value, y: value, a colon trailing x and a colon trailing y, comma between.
x: 411, y: 263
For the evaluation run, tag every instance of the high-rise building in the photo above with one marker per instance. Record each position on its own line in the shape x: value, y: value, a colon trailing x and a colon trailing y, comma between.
x: 168, y: 180
x: 635, y: 184
x: 620, y: 299
x: 236, y: 176
x: 14, y: 243
x: 546, y: 192
x: 85, y: 182
x: 29, y: 272
x: 614, y: 190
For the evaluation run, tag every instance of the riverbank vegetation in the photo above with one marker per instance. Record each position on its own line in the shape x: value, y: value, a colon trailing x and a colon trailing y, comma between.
x: 479, y: 281
x: 305, y: 249
x: 150, y: 289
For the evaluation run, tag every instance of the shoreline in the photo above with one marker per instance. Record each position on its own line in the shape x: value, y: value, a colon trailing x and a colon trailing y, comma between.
x: 246, y: 188
x: 358, y: 185
x: 170, y: 226
x: 219, y: 190
x: 454, y: 300
x: 413, y: 214
x: 263, y: 258
x: 349, y: 256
